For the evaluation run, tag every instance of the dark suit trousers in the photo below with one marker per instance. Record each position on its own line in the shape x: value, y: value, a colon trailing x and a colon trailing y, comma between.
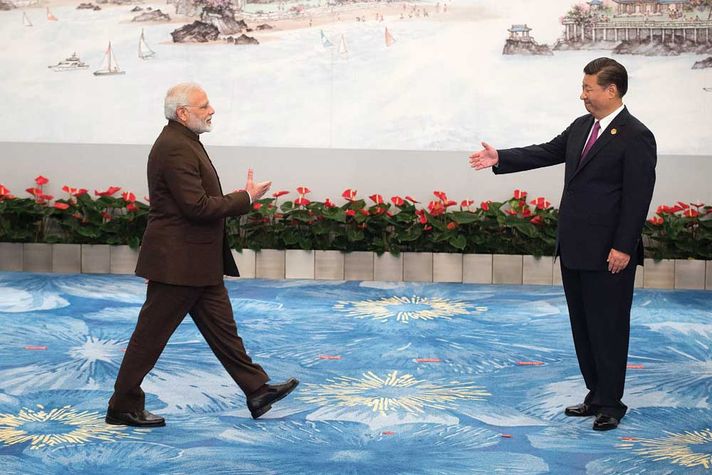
x: 165, y: 307
x: 599, y: 308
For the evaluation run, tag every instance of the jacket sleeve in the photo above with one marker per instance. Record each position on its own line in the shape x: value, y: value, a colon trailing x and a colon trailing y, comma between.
x: 534, y: 156
x: 638, y: 182
x: 182, y: 175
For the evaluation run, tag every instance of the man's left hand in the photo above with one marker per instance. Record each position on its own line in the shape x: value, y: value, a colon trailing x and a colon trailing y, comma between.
x: 617, y: 261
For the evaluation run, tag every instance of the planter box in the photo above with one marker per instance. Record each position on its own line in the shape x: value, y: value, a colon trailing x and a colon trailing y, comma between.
x: 123, y: 260
x: 447, y: 267
x: 246, y: 263
x: 418, y: 266
x: 538, y: 270
x: 269, y: 264
x: 67, y: 258
x: 96, y: 258
x: 660, y: 274
x: 358, y: 265
x: 299, y: 264
x: 388, y: 267
x: 639, y: 277
x: 11, y: 256
x: 477, y: 268
x: 556, y: 276
x: 37, y: 257
x: 507, y: 269
x: 689, y: 274
x: 329, y: 265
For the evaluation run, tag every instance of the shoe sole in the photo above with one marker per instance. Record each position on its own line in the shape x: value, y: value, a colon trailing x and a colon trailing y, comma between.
x: 263, y: 410
x: 119, y: 422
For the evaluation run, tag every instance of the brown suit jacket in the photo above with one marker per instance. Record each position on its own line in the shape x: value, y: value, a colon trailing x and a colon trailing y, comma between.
x: 185, y: 242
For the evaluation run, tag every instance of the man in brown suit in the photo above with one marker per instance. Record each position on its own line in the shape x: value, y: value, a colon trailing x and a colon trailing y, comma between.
x: 184, y: 256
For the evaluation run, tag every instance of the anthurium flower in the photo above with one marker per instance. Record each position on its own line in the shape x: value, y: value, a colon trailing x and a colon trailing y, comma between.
x: 40, y: 180
x: 536, y: 220
x: 690, y: 213
x: 449, y: 203
x: 69, y: 189
x: 4, y: 191
x: 440, y: 195
x: 541, y: 203
x: 128, y: 197
x: 436, y: 208
x: 452, y: 225
x: 108, y: 192
x: 526, y: 212
x: 520, y: 194
x: 46, y: 197
x: 364, y: 211
x: 349, y: 194
x: 397, y: 200
x: 411, y: 199
x: 683, y: 205
x: 131, y: 207
x: 467, y: 203
x: 256, y: 205
x: 656, y: 220
x: 81, y: 191
x: 277, y: 194
x: 511, y: 212
x: 485, y: 205
x: 422, y: 218
x: 350, y: 212
x: 427, y: 227
x: 329, y: 204
x: 378, y: 199
x: 61, y: 206
x: 301, y: 201
x: 34, y: 191
x: 106, y: 215
x: 303, y: 190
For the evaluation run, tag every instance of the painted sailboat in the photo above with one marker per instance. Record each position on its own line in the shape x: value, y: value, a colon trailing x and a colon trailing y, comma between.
x: 144, y: 51
x: 325, y: 42
x: 50, y: 17
x: 389, y: 38
x: 112, y: 67
x: 26, y: 20
x: 343, y: 50
x: 73, y: 63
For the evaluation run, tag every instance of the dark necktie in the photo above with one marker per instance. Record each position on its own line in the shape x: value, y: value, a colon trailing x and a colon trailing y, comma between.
x: 591, y: 141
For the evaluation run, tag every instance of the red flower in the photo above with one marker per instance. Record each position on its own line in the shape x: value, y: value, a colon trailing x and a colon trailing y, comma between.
x: 83, y: 191
x: 44, y: 197
x: 329, y: 204
x: 485, y: 205
x: 436, y: 208
x: 68, y: 189
x: 452, y: 225
x: 34, y: 191
x: 378, y: 210
x: 541, y: 203
x: 656, y: 220
x: 301, y: 201
x: 364, y: 211
x: 467, y: 203
x: 128, y: 197
x: 277, y: 194
x: 303, y: 190
x: 397, y: 200
x: 131, y: 207
x: 378, y: 199
x: 526, y: 212
x: 40, y: 180
x: 519, y: 194
x: 536, y: 220
x: 663, y: 209
x: 350, y: 212
x: 349, y: 194
x: 690, y: 213
x: 422, y: 218
x: 683, y: 205
x: 440, y: 195
x: 427, y: 227
x: 106, y: 215
x: 449, y: 203
x: 511, y: 212
x: 4, y: 191
x: 108, y: 192
x: 256, y: 205
x: 411, y: 199
x: 61, y: 206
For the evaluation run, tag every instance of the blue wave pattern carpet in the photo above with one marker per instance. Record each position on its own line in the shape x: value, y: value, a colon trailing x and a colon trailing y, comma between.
x: 396, y: 378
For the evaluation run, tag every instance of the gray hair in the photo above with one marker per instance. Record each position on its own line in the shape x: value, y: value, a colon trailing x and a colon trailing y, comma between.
x: 177, y: 96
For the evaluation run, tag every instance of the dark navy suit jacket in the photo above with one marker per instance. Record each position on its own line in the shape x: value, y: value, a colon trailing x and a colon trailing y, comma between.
x: 606, y: 198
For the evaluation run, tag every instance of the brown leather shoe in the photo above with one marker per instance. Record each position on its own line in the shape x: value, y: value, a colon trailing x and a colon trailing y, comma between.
x: 605, y: 422
x: 141, y: 418
x: 261, y: 400
x: 580, y: 410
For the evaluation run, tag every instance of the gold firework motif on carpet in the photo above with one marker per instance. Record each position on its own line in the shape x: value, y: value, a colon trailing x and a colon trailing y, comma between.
x: 405, y: 309
x: 43, y: 428
x: 391, y: 393
x: 689, y: 449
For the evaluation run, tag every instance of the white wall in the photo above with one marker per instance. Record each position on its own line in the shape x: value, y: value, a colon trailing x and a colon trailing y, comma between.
x: 327, y: 172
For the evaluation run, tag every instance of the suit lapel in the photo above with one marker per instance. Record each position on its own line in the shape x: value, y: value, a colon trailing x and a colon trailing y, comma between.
x: 578, y: 139
x: 603, y: 139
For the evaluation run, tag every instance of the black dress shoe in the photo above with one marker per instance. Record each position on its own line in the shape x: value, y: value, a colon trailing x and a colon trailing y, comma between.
x: 604, y: 422
x: 261, y: 401
x: 580, y: 410
x: 141, y: 418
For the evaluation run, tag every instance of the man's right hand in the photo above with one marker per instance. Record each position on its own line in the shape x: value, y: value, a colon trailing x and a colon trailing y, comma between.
x: 485, y: 158
x: 256, y: 190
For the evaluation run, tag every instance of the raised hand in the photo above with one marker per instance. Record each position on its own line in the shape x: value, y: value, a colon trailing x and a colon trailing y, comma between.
x: 485, y: 158
x: 256, y: 190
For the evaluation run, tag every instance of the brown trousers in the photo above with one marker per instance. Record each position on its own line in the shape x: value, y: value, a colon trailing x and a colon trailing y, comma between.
x: 165, y: 307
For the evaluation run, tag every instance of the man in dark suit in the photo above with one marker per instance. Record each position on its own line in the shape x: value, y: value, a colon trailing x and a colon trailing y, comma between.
x: 184, y: 255
x: 610, y: 159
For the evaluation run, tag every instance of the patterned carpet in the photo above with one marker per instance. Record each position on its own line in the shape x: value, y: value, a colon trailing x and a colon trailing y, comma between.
x: 396, y: 378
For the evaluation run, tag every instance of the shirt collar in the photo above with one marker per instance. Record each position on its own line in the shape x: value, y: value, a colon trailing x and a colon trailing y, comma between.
x: 606, y: 121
